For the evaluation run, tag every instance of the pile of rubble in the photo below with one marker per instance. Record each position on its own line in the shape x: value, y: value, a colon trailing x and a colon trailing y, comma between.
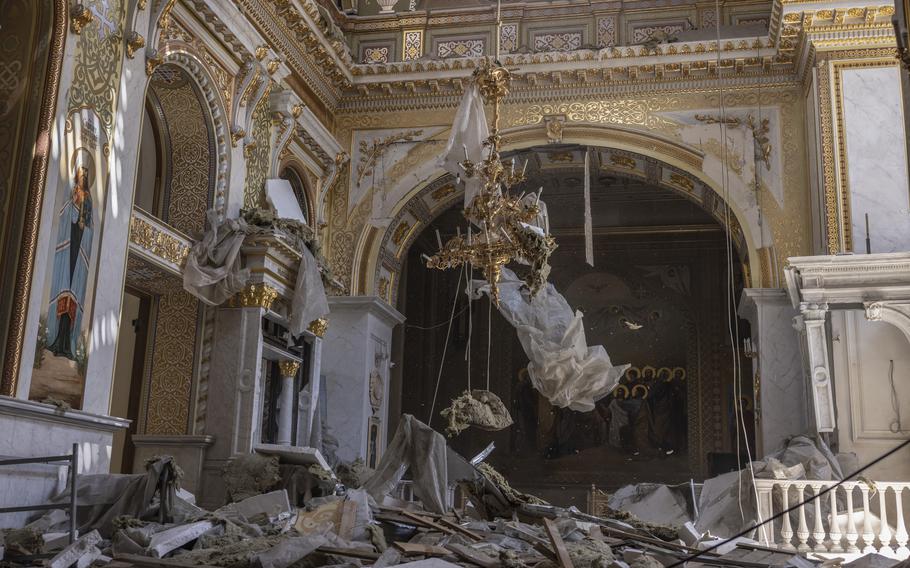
x: 146, y: 520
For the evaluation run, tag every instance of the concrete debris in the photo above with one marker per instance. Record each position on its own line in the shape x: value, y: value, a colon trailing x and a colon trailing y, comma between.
x: 72, y: 553
x: 497, y: 526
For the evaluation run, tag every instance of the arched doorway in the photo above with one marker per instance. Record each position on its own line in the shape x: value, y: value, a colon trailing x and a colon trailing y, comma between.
x: 657, y: 298
x: 160, y: 356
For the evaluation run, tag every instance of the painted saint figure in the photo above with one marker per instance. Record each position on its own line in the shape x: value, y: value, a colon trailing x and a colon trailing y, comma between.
x: 72, y: 253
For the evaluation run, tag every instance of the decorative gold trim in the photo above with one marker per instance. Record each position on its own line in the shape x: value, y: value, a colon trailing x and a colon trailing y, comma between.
x: 134, y: 42
x: 37, y: 180
x: 80, y: 16
x: 254, y: 296
x: 828, y: 162
x: 288, y: 368
x: 157, y: 242
x: 318, y: 327
x: 841, y: 140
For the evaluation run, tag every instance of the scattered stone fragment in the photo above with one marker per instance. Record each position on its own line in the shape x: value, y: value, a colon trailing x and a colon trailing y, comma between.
x: 72, y: 553
x: 251, y: 475
x: 171, y: 539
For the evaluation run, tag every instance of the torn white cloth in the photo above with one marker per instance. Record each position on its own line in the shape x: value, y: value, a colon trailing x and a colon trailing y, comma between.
x: 469, y: 130
x: 421, y: 449
x: 309, y: 301
x: 562, y: 366
x: 212, y: 272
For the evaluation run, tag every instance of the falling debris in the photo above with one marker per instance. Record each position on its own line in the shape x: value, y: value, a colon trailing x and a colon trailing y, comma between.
x: 480, y: 408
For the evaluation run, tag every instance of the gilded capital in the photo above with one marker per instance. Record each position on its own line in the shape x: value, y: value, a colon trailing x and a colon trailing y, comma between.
x: 254, y: 296
x: 80, y: 16
x: 318, y: 327
x: 289, y: 368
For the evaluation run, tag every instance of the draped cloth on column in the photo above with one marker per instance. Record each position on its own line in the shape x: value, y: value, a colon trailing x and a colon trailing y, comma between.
x: 562, y: 366
x: 309, y: 301
x: 213, y: 272
x: 469, y: 130
x: 421, y: 449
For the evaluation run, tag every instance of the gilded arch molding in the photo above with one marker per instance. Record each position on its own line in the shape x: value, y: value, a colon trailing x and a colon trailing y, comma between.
x: 378, y: 254
x: 213, y: 103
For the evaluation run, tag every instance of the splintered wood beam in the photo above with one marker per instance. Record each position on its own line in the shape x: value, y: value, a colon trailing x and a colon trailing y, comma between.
x: 562, y: 555
x: 412, y: 548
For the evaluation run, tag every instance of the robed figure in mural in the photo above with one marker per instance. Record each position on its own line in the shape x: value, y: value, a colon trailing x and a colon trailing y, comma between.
x: 72, y: 253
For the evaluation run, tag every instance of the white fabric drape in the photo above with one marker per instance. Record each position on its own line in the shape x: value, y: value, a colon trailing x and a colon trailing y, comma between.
x: 309, y: 301
x: 212, y: 272
x: 469, y: 130
x: 562, y: 366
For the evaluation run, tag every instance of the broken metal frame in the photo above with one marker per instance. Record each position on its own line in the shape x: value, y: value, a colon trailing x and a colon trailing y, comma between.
x: 73, y: 460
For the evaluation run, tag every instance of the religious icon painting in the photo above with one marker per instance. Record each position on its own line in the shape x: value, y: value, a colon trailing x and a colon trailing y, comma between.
x: 64, y: 333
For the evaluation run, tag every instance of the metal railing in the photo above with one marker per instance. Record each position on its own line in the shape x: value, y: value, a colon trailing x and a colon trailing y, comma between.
x: 73, y: 460
x: 843, y: 520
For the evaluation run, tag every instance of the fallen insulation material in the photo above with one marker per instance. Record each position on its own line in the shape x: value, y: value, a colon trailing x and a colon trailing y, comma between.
x: 479, y: 408
x: 249, y: 475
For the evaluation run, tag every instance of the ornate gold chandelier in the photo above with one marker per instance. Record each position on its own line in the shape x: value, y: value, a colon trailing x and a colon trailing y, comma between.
x: 504, y: 221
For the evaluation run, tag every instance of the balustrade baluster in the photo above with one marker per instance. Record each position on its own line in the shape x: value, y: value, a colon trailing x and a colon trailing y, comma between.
x: 900, y: 532
x: 884, y: 534
x: 868, y: 535
x: 833, y: 528
x: 786, y: 531
x: 802, y: 531
x: 851, y: 523
x: 818, y: 533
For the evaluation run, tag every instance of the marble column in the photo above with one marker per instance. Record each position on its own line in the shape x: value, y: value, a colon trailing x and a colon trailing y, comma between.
x: 781, y: 399
x: 813, y: 319
x: 288, y: 370
x: 356, y: 345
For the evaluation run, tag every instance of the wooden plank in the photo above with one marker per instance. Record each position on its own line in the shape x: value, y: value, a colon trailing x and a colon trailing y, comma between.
x: 468, y: 554
x: 562, y: 555
x: 412, y: 548
x: 362, y: 553
x: 456, y: 527
x: 348, y: 518
x: 137, y: 560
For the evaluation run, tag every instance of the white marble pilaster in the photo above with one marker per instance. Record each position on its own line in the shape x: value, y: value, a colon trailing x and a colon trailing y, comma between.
x: 234, y: 393
x: 782, y: 391
x: 309, y: 407
x: 356, y: 344
x: 813, y: 319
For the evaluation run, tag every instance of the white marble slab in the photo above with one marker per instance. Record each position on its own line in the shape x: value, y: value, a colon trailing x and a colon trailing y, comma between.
x: 876, y: 158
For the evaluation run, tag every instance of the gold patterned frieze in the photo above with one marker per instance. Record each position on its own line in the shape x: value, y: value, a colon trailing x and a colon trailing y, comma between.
x: 288, y: 367
x: 259, y: 295
x: 158, y: 240
x: 318, y: 327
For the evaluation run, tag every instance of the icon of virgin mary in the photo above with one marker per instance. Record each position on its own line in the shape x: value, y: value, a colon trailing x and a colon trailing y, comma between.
x: 72, y: 254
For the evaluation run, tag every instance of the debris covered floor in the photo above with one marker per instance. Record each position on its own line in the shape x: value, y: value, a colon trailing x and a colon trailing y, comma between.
x: 289, y: 515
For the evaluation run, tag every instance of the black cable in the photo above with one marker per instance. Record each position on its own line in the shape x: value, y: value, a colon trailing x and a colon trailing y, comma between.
x: 900, y: 446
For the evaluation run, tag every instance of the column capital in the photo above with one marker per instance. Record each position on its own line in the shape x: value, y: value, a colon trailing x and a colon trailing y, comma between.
x: 813, y: 311
x: 289, y: 368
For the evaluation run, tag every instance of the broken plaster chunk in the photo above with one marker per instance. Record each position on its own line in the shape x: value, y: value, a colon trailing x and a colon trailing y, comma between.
x: 271, y: 505
x: 645, y: 561
x: 72, y: 553
x: 89, y: 558
x: 479, y: 408
x: 171, y: 539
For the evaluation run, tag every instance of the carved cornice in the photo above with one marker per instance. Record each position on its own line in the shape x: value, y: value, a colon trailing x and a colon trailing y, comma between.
x: 849, y: 279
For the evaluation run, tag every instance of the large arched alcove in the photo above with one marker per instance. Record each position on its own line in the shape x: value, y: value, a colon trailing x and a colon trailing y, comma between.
x: 657, y: 298
x: 181, y: 174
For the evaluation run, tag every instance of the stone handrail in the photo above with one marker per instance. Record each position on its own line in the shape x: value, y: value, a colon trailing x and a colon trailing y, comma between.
x: 854, y: 517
